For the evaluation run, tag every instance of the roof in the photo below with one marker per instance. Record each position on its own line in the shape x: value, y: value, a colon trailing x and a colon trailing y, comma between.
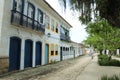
x: 56, y: 12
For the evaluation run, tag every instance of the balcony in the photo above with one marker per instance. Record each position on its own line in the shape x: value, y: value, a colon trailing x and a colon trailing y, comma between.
x: 20, y: 19
x: 65, y: 37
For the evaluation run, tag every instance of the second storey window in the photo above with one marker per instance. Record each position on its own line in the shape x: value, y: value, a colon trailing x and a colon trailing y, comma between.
x: 31, y: 11
x: 56, y: 29
x: 18, y: 5
x: 40, y: 16
x: 52, y: 25
x: 47, y: 20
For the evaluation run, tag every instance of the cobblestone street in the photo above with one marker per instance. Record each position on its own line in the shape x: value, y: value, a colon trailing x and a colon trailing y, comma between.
x: 81, y: 68
x: 52, y: 71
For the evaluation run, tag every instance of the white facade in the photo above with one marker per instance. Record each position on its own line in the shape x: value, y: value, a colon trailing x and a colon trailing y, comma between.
x: 34, y: 32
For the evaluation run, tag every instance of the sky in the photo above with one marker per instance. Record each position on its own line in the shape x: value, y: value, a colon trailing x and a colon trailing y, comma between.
x: 77, y: 33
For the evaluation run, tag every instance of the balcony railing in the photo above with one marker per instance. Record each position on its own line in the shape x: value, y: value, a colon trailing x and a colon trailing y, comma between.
x: 65, y: 37
x: 25, y: 21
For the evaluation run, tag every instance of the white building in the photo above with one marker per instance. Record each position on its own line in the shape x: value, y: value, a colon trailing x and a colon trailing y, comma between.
x: 32, y: 33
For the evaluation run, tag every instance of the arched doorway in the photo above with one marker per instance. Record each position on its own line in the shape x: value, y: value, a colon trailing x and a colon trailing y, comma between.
x: 28, y: 53
x: 38, y: 53
x: 14, y: 53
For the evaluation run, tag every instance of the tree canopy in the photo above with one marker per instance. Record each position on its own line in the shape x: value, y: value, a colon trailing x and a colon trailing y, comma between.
x: 103, y: 36
x: 108, y: 9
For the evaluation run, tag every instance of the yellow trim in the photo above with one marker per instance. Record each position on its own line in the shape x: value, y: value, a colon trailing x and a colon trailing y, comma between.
x: 48, y: 51
x: 52, y: 45
x: 56, y: 45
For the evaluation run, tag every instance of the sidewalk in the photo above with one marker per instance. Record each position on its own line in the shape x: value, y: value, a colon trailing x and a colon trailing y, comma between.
x: 93, y: 71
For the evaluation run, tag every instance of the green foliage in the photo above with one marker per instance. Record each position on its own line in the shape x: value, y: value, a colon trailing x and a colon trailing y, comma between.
x: 114, y: 62
x: 114, y: 77
x: 108, y: 9
x: 53, y: 61
x: 103, y: 36
x: 103, y: 60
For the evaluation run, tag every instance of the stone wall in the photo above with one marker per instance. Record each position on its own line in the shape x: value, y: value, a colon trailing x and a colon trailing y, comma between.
x: 4, y: 63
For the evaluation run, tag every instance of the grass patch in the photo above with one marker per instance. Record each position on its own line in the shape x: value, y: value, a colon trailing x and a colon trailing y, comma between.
x: 114, y: 77
x: 103, y: 60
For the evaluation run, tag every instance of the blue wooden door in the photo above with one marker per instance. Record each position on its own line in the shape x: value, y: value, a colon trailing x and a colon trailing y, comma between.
x: 47, y: 53
x: 28, y: 53
x: 14, y: 53
x: 38, y: 53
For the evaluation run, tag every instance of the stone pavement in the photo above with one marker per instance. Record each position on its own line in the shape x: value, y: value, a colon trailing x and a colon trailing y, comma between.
x: 44, y: 70
x: 72, y: 69
x: 93, y: 71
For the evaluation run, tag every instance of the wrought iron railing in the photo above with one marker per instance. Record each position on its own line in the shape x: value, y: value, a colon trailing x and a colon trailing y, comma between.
x: 65, y: 37
x: 25, y: 21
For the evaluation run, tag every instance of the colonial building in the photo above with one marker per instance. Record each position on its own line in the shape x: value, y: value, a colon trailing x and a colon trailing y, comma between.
x: 70, y: 49
x: 32, y: 33
x: 22, y: 34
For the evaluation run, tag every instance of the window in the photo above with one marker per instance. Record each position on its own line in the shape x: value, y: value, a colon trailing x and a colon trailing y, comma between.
x: 63, y: 48
x: 31, y: 10
x: 18, y: 5
x: 56, y: 29
x: 15, y: 5
x: 52, y: 25
x: 52, y: 53
x: 56, y: 49
x: 56, y: 52
x: 40, y: 16
x: 47, y: 20
x: 66, y: 48
x: 62, y: 30
x: 52, y: 49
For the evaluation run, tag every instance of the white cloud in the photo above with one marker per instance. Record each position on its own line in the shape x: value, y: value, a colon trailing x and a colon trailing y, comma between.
x: 78, y: 33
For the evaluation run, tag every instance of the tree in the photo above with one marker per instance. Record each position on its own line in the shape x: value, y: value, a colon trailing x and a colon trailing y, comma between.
x: 96, y: 42
x: 108, y: 9
x: 103, y: 36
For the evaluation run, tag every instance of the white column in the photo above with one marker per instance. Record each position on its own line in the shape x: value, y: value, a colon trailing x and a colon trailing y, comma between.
x: 43, y: 53
x: 103, y: 51
x: 107, y: 52
x: 69, y: 53
x: 22, y: 54
x: 118, y: 52
x: 33, y: 61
